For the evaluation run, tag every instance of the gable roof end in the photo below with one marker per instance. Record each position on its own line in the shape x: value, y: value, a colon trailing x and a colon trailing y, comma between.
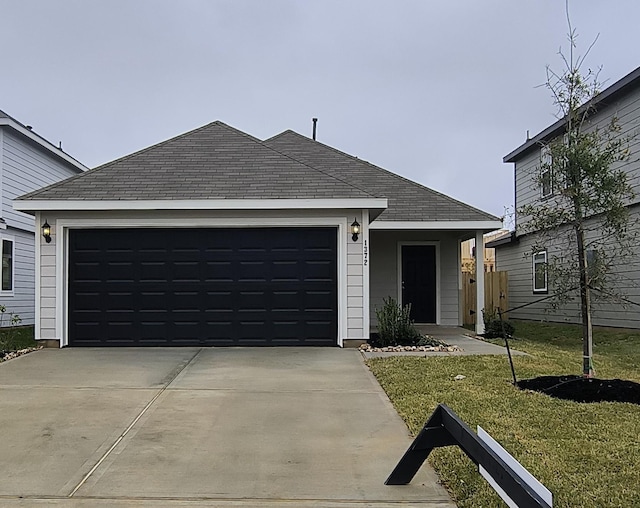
x: 603, y: 99
x: 8, y: 121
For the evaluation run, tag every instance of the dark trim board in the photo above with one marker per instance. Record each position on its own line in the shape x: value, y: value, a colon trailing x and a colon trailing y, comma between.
x: 203, y: 287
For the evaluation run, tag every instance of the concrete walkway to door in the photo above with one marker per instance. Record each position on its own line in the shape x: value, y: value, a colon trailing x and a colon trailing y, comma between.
x: 263, y: 427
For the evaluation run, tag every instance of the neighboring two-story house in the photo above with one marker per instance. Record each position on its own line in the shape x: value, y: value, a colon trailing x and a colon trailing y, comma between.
x: 27, y: 162
x: 529, y: 279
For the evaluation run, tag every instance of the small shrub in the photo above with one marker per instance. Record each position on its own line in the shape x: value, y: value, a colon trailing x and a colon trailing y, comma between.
x: 493, y: 325
x: 427, y: 340
x: 8, y: 334
x: 395, y: 326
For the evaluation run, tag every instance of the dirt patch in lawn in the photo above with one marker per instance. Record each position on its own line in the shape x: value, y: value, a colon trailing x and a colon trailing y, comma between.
x: 580, y: 389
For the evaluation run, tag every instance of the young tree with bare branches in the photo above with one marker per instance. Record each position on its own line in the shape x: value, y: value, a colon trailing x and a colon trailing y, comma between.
x: 584, y: 215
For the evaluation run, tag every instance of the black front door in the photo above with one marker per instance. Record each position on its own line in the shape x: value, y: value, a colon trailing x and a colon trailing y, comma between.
x: 419, y: 281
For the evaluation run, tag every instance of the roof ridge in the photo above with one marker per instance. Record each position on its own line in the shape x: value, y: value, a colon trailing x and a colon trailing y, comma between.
x: 313, y: 167
x: 263, y: 143
x: 110, y: 163
x: 237, y: 131
x: 249, y: 137
x: 391, y: 173
x: 281, y: 134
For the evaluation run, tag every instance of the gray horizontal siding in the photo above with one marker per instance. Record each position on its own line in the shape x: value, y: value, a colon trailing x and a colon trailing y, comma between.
x: 627, y: 111
x: 26, y: 167
x: 513, y: 258
x: 23, y: 300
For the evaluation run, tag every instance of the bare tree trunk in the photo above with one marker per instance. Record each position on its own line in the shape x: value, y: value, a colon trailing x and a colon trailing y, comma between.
x: 585, y: 305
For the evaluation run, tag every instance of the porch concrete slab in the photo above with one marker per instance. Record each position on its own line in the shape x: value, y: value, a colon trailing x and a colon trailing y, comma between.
x: 204, y: 427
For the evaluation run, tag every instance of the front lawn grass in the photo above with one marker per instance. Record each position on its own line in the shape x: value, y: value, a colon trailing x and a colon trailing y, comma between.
x: 586, y: 454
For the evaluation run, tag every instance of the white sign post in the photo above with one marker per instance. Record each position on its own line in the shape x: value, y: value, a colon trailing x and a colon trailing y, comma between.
x: 525, y: 475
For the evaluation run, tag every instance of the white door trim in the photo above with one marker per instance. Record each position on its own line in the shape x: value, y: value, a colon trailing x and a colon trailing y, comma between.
x: 436, y: 244
x: 62, y: 227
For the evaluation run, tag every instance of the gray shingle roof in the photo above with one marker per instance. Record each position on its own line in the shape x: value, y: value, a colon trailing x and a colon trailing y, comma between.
x: 212, y: 162
x: 408, y: 200
x: 219, y: 162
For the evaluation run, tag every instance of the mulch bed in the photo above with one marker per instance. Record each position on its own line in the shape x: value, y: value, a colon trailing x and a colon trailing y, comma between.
x: 580, y: 389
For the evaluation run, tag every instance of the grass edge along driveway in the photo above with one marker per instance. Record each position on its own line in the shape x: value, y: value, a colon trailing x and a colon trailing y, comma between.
x: 586, y: 454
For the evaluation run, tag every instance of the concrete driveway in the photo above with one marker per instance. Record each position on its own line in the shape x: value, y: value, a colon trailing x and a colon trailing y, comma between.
x: 264, y: 427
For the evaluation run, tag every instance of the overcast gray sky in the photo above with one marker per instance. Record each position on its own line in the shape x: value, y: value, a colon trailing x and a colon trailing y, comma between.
x: 437, y: 91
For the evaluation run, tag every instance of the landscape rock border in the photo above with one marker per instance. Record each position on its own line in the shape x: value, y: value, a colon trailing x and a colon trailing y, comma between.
x: 444, y: 348
x: 10, y: 355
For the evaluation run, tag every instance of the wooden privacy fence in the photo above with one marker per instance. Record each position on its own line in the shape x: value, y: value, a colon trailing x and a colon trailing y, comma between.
x: 495, y: 294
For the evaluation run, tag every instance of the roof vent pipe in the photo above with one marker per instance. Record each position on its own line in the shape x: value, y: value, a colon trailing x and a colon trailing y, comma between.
x: 315, y: 121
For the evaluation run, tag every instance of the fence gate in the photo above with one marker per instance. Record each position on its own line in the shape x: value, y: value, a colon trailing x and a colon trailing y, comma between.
x: 495, y: 294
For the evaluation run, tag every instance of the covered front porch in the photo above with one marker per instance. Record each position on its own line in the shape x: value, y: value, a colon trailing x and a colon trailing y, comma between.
x: 420, y: 264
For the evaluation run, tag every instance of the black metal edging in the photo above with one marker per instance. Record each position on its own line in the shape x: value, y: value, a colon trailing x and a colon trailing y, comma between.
x: 445, y: 428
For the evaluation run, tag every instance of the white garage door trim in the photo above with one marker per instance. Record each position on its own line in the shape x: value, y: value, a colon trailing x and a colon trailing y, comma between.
x: 62, y: 248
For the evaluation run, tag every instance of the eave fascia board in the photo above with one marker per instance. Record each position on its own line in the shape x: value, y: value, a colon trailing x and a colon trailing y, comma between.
x: 619, y: 88
x: 29, y: 205
x: 9, y: 122
x: 506, y: 239
x: 487, y: 225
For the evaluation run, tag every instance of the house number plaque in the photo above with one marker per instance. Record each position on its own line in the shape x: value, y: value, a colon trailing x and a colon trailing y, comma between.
x: 365, y: 253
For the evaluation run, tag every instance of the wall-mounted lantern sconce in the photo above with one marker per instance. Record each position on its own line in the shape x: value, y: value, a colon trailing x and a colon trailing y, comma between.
x: 46, y: 231
x: 355, y: 230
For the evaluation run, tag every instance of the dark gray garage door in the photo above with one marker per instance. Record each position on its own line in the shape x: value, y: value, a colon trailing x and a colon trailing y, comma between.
x: 211, y: 287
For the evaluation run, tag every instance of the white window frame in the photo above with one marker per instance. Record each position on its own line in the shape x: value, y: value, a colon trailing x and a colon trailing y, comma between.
x: 3, y: 238
x: 534, y: 264
x: 546, y: 159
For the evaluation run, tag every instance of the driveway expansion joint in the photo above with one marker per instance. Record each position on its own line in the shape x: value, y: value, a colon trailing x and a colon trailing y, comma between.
x: 170, y: 380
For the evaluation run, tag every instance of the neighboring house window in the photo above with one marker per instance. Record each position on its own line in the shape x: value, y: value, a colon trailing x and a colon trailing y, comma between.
x: 540, y: 272
x: 7, y: 265
x: 594, y: 267
x: 546, y: 180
